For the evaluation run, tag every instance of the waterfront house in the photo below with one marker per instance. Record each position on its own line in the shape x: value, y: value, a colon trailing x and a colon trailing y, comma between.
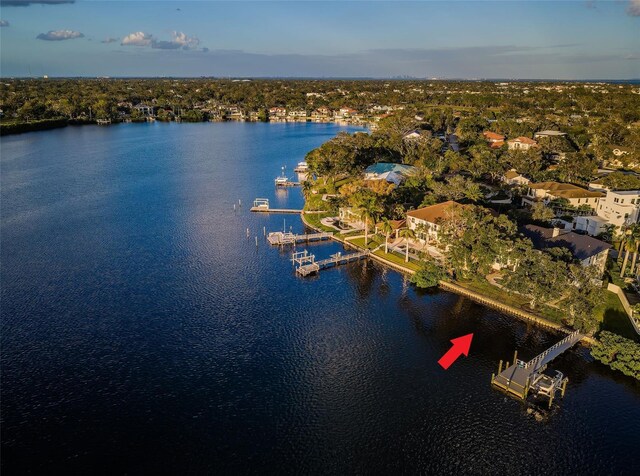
x: 575, y: 196
x: 346, y: 112
x: 587, y: 250
x: 393, y: 173
x: 277, y: 113
x: 144, y: 109
x: 425, y: 222
x: 521, y: 143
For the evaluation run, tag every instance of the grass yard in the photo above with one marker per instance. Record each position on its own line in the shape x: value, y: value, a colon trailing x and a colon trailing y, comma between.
x: 314, y: 220
x: 613, y: 317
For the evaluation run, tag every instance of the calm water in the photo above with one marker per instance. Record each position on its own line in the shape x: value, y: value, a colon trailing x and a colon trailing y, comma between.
x: 143, y: 332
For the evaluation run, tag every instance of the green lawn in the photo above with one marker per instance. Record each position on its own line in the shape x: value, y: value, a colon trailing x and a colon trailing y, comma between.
x: 613, y: 317
x: 394, y: 257
x: 485, y: 288
x: 314, y: 220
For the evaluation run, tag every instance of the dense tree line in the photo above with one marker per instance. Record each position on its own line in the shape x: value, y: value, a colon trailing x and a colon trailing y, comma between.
x: 618, y: 353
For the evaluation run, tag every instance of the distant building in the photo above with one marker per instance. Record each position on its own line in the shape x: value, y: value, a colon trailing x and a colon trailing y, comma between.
x: 395, y: 173
x: 495, y: 140
x: 144, y: 109
x: 512, y: 177
x: 521, y: 143
x: 587, y: 250
x: 543, y: 134
x: 617, y: 208
x: 574, y: 195
x: 416, y: 135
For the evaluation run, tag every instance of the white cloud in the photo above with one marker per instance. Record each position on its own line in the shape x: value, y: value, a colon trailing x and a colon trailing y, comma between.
x: 109, y: 40
x: 59, y: 35
x: 179, y: 40
x: 187, y: 42
x: 634, y: 8
x: 138, y: 38
x: 4, y: 23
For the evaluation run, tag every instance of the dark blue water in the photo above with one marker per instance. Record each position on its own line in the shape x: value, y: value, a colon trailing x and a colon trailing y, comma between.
x: 143, y: 332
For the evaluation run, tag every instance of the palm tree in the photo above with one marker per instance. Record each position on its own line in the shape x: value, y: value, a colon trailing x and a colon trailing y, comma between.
x: 365, y: 215
x: 386, y: 229
x: 369, y: 210
x: 628, y: 242
x: 307, y: 187
x: 407, y: 233
x: 635, y: 235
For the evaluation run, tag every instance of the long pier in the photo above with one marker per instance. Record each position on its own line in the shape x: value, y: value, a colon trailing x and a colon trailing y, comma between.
x: 275, y: 210
x: 520, y: 378
x: 285, y: 238
x: 336, y: 259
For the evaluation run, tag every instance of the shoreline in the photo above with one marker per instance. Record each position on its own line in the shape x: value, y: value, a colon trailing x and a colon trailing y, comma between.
x: 15, y: 128
x: 462, y: 291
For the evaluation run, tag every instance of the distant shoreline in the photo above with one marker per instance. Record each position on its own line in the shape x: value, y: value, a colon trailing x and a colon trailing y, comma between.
x: 49, y: 124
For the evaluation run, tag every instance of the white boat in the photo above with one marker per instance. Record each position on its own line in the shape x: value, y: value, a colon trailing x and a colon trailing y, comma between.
x: 302, y: 167
x: 282, y: 180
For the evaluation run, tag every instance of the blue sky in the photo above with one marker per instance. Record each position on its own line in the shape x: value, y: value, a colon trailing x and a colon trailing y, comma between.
x: 453, y: 39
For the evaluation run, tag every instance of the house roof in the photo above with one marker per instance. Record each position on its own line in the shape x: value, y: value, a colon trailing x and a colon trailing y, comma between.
x: 564, y: 190
x: 581, y: 246
x: 511, y: 174
x: 524, y: 140
x: 493, y: 136
x: 497, y: 144
x: 549, y: 133
x: 434, y: 212
x: 395, y: 224
x: 387, y: 167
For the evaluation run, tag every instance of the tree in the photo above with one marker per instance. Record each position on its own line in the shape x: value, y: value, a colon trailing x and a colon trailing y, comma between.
x: 629, y: 244
x: 635, y: 233
x: 540, y: 212
x: 537, y: 276
x: 428, y: 275
x: 582, y: 296
x: 307, y: 188
x: 386, y: 229
x: 407, y: 234
x: 618, y: 353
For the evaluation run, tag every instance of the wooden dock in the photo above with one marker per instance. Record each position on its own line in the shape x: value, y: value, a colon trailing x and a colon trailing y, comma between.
x: 520, y: 378
x: 284, y: 238
x: 261, y: 205
x: 274, y: 210
x: 336, y: 259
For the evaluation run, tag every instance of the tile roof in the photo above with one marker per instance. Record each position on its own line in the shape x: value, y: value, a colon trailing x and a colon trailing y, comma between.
x: 565, y: 190
x: 493, y: 136
x: 581, y: 246
x: 434, y: 212
x: 524, y: 140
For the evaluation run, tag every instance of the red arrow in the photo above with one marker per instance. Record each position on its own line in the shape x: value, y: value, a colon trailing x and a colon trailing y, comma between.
x: 460, y: 346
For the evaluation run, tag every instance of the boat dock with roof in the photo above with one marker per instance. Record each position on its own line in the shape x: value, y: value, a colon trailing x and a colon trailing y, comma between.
x: 308, y: 265
x: 287, y: 238
x: 521, y: 379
